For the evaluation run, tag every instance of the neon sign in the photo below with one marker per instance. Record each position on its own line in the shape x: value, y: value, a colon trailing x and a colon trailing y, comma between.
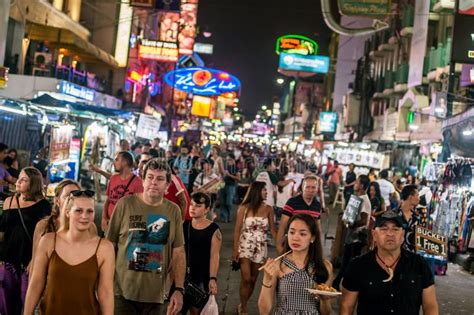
x: 158, y: 50
x: 76, y: 91
x: 202, y: 81
x: 296, y: 44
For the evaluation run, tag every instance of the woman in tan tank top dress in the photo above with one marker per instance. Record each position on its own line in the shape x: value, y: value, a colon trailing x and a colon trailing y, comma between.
x: 73, y: 267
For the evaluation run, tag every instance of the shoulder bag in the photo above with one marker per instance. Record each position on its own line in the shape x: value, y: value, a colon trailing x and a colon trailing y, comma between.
x: 193, y: 294
x: 23, y: 221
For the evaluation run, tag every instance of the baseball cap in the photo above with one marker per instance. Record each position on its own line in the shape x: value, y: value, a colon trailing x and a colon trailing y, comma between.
x: 389, y: 215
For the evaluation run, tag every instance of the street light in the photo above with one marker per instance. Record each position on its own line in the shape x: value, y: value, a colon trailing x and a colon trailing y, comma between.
x: 264, y: 107
x: 280, y: 81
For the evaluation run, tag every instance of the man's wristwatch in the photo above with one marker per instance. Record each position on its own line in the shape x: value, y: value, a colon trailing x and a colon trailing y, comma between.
x: 181, y: 290
x: 213, y: 278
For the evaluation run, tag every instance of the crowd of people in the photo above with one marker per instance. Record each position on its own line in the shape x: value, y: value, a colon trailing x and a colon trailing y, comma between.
x: 160, y: 250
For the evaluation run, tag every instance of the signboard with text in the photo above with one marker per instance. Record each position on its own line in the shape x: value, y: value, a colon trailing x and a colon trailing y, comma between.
x: 142, y: 3
x: 60, y: 143
x: 202, y: 81
x: 463, y: 39
x: 158, y: 50
x: 314, y: 64
x: 430, y: 242
x: 148, y: 127
x: 296, y: 44
x: 327, y: 122
x: 367, y: 7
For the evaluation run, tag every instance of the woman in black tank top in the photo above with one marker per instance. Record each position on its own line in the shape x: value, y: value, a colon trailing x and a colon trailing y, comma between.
x: 203, y: 243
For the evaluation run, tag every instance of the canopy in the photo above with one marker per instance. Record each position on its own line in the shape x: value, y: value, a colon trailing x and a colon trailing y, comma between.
x: 48, y: 100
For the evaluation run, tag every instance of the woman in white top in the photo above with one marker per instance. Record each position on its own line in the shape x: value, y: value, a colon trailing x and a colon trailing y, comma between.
x: 283, y: 193
x: 254, y: 219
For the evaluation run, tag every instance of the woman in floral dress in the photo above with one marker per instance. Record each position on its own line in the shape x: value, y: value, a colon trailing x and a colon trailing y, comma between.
x: 254, y: 219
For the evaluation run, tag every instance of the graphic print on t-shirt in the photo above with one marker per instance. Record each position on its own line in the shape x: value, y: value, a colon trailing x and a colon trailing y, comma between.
x: 147, y: 237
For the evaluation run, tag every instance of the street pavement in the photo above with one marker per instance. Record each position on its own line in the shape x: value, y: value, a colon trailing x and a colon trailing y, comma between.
x: 454, y: 291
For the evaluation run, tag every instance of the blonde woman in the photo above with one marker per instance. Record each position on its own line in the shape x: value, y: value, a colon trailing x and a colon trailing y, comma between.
x: 77, y: 265
x: 51, y: 223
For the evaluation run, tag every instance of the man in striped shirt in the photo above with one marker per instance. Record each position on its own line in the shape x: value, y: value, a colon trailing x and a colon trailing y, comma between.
x: 305, y: 203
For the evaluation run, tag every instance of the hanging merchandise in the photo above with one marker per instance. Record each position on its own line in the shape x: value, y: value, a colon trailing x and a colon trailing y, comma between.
x: 452, y: 204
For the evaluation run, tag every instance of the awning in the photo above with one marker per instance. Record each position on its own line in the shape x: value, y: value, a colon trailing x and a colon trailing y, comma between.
x: 48, y: 100
x: 63, y: 38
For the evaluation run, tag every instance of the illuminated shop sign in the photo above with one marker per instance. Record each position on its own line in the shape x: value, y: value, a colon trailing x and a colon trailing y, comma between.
x: 158, y: 50
x: 142, y: 3
x: 296, y: 44
x: 203, y: 48
x: 327, y: 121
x: 364, y: 8
x: 202, y: 81
x: 317, y: 64
x: 75, y: 90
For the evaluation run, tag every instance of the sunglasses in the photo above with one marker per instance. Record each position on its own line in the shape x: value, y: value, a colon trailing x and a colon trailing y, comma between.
x: 78, y: 193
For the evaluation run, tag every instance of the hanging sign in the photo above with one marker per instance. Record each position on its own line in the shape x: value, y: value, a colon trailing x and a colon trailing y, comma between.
x: 367, y: 7
x: 296, y: 44
x: 316, y: 64
x: 60, y: 143
x: 202, y: 81
x: 158, y: 50
x: 201, y: 106
x: 430, y: 242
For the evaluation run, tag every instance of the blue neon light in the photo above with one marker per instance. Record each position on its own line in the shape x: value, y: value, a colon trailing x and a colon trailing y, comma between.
x: 219, y: 82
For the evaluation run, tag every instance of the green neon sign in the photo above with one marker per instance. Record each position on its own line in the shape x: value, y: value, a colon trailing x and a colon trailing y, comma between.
x: 296, y: 44
x: 410, y: 117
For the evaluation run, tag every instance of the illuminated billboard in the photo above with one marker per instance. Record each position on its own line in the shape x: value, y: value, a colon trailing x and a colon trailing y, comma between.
x: 201, y: 106
x: 463, y: 39
x: 158, y: 50
x: 327, y: 122
x: 169, y: 26
x: 315, y: 64
x: 202, y: 81
x: 187, y: 23
x: 296, y: 44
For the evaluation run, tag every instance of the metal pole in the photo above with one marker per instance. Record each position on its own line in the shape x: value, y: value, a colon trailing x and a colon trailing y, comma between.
x: 293, y: 103
x: 452, y: 66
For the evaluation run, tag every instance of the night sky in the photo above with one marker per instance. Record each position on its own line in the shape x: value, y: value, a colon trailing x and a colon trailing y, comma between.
x: 244, y: 34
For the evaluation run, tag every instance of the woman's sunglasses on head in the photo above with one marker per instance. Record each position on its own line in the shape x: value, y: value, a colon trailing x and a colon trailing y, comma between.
x: 79, y: 192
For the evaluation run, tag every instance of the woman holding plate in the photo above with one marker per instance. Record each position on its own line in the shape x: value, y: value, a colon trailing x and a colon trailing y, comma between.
x: 303, y: 268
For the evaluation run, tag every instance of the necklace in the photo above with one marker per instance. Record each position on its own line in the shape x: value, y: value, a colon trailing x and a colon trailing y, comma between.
x: 387, y: 267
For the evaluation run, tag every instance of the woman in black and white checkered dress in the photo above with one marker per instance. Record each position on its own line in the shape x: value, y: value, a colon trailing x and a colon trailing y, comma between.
x: 303, y: 268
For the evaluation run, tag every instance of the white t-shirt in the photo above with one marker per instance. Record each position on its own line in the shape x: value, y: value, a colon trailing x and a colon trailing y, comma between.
x: 386, y: 189
x: 366, y: 206
x: 264, y: 177
x: 282, y: 197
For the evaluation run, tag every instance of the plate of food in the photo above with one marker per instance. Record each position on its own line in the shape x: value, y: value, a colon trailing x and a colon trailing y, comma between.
x: 324, y: 289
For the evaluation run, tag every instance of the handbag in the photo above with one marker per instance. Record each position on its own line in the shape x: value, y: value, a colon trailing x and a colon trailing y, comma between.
x: 193, y: 294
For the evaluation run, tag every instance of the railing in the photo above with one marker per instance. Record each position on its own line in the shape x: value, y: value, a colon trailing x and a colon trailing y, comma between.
x: 68, y: 73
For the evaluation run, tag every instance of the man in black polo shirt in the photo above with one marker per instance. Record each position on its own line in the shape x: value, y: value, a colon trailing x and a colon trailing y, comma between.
x: 389, y: 279
x: 305, y: 202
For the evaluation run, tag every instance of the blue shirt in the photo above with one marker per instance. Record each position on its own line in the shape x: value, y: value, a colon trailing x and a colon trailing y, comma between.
x: 184, y: 165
